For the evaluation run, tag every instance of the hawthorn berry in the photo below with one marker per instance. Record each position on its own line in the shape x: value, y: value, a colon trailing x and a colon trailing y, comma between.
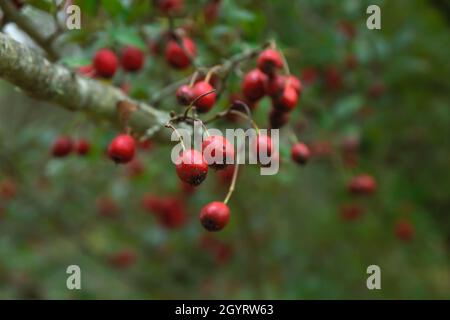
x: 105, y: 63
x: 287, y: 100
x: 362, y: 184
x: 217, y: 147
x: 82, y: 147
x: 253, y: 85
x: 179, y: 57
x: 351, y: 212
x: 8, y: 189
x: 185, y: 95
x: 269, y: 60
x: 172, y: 213
x: 263, y: 147
x: 278, y: 119
x: 404, y: 230
x: 122, y: 148
x: 211, y: 11
x: 191, y: 167
x: 62, y: 147
x: 295, y: 83
x: 132, y: 59
x: 123, y: 259
x: 169, y: 7
x: 205, y: 103
x: 107, y: 207
x: 215, y: 216
x: 300, y: 153
x: 275, y: 85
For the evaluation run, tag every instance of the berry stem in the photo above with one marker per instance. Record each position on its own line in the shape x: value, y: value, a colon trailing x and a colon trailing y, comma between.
x: 170, y: 125
x: 193, y: 79
x: 233, y: 180
x: 211, y: 72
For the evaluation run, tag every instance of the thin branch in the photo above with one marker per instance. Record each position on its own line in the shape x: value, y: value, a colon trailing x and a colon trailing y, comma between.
x: 13, y: 15
x: 39, y: 78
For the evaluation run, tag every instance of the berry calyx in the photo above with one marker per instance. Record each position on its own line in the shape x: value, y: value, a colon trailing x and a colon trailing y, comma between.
x: 205, y: 103
x: 191, y: 167
x: 185, y: 95
x: 217, y: 151
x: 105, y: 63
x: 300, y: 153
x: 215, y: 216
x: 82, y: 147
x: 269, y: 60
x: 177, y: 56
x: 62, y: 147
x: 288, y: 99
x: 362, y: 185
x: 253, y: 85
x: 132, y: 59
x: 122, y: 148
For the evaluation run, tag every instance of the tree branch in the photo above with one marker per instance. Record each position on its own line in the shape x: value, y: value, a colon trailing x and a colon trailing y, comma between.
x: 13, y: 15
x: 28, y: 70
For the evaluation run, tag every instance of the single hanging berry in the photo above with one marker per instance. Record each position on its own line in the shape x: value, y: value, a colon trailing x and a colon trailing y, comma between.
x: 122, y: 148
x: 215, y: 216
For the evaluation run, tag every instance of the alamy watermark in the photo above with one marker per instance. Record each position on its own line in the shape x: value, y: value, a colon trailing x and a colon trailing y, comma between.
x: 244, y: 143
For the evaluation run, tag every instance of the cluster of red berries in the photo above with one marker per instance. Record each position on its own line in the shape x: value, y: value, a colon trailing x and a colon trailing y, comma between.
x: 63, y: 146
x: 284, y: 90
x: 106, y: 62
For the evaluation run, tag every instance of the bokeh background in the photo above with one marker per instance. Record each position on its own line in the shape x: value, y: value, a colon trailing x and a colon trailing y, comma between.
x: 374, y: 101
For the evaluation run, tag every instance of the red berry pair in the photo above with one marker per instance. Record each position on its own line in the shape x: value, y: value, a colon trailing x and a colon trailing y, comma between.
x: 106, y: 61
x: 202, y: 93
x: 63, y: 146
x: 179, y: 55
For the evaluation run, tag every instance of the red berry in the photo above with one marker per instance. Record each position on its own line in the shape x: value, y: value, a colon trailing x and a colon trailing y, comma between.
x: 269, y: 60
x: 132, y: 59
x: 123, y: 259
x: 185, y: 95
x: 215, y: 216
x: 295, y: 83
x: 309, y: 75
x: 191, y: 167
x: 287, y: 101
x: 146, y: 145
x: 333, y: 78
x: 105, y: 63
x: 172, y: 213
x: 275, y: 86
x: 205, y: 103
x: 8, y: 189
x: 362, y: 184
x: 107, y: 207
x: 253, y: 85
x: 217, y: 147
x: 211, y: 11
x: 170, y: 7
x: 82, y: 147
x: 278, y: 119
x: 351, y: 212
x: 300, y: 153
x: 176, y: 56
x: 62, y: 147
x: 122, y: 148
x: 263, y: 147
x: 404, y: 230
